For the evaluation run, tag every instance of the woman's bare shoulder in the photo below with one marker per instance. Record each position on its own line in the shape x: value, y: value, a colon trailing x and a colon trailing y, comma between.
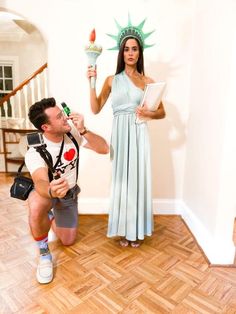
x: 148, y: 80
x: 109, y: 80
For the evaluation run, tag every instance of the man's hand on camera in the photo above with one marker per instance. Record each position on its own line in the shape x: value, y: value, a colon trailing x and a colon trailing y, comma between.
x: 58, y: 188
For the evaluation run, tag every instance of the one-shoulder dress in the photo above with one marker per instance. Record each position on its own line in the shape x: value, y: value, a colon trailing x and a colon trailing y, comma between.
x: 130, y: 210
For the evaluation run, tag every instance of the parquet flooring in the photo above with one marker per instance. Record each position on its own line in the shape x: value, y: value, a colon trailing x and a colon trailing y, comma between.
x: 167, y: 274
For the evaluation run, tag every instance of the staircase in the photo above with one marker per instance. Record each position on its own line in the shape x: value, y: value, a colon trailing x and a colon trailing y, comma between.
x: 15, y: 105
x: 14, y: 108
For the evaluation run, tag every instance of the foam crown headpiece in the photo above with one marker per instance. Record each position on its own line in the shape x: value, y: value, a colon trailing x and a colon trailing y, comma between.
x: 130, y: 31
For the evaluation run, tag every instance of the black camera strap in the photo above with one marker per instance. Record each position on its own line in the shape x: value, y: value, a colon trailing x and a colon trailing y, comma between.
x: 20, y: 168
x: 77, y: 147
x: 44, y: 153
x: 51, y: 170
x: 48, y: 159
x: 59, y: 156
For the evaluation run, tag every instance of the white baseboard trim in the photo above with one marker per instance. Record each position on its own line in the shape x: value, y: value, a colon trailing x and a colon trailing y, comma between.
x: 99, y: 206
x: 219, y: 253
x: 166, y: 207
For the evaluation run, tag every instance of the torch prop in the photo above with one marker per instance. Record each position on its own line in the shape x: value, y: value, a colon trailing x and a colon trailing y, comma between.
x: 93, y: 51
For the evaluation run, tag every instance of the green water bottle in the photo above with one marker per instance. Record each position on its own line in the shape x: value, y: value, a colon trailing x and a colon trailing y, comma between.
x: 66, y: 109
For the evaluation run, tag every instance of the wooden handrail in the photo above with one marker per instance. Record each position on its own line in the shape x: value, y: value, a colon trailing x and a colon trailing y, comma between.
x: 25, y: 82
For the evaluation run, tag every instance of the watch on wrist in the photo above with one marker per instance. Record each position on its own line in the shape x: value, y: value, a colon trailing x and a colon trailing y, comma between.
x: 85, y: 130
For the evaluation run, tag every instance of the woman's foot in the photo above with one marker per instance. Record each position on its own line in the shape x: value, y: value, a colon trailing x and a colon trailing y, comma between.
x: 135, y: 244
x: 124, y: 242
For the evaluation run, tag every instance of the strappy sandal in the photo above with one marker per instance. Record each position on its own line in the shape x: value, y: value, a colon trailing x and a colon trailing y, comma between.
x: 135, y: 244
x: 124, y: 242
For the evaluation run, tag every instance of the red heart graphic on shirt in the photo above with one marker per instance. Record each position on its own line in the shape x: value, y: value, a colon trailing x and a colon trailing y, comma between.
x: 69, y: 155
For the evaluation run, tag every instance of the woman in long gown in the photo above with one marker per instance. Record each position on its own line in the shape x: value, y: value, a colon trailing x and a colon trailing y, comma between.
x: 130, y: 211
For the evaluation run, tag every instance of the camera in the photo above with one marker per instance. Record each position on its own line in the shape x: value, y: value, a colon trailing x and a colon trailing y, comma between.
x: 35, y: 139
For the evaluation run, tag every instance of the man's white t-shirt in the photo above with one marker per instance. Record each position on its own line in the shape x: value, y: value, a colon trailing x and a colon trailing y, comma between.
x: 67, y: 164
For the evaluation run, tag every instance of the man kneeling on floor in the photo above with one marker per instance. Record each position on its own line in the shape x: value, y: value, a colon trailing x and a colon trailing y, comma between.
x: 62, y: 142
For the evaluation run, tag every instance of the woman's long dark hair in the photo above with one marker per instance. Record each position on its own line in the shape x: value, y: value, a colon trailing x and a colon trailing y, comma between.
x: 120, y: 59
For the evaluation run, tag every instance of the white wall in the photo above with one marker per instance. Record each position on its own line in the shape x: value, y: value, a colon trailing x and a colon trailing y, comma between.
x: 199, y: 70
x: 211, y: 150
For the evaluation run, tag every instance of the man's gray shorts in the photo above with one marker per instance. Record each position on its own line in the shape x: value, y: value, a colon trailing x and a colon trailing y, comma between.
x: 66, y: 209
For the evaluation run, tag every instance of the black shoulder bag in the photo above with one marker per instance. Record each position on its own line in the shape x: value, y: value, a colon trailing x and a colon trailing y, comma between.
x: 22, y: 185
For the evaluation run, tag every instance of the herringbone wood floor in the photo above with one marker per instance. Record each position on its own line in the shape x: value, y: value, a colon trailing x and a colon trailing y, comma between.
x: 167, y: 274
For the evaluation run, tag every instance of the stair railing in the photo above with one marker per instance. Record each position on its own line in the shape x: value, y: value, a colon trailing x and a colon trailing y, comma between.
x: 15, y: 105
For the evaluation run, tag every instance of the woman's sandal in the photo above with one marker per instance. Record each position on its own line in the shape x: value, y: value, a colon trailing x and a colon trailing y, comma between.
x: 135, y: 244
x: 124, y: 242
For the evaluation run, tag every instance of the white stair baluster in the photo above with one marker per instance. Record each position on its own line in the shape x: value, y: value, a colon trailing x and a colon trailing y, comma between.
x: 45, y: 80
x: 26, y: 97
x: 5, y: 109
x: 39, y: 87
x: 13, y: 107
x: 32, y: 87
x: 18, y: 97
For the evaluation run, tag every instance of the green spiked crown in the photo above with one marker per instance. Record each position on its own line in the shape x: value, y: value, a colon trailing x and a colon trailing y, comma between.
x: 130, y: 31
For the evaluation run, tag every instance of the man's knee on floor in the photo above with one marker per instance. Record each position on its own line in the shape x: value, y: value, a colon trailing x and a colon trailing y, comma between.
x: 67, y: 239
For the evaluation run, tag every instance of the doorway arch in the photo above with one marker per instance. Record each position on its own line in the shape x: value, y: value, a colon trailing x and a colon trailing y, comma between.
x: 22, y: 44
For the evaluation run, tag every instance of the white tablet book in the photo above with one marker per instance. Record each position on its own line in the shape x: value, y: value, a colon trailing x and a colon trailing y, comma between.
x: 152, y: 96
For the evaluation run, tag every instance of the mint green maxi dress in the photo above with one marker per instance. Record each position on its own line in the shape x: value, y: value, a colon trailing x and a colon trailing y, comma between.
x: 130, y: 211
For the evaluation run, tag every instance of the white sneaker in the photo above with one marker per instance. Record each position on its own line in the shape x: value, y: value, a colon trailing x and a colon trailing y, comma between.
x: 44, y: 271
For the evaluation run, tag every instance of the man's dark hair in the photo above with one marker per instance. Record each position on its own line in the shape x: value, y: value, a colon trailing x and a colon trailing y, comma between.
x: 120, y: 59
x: 37, y: 114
